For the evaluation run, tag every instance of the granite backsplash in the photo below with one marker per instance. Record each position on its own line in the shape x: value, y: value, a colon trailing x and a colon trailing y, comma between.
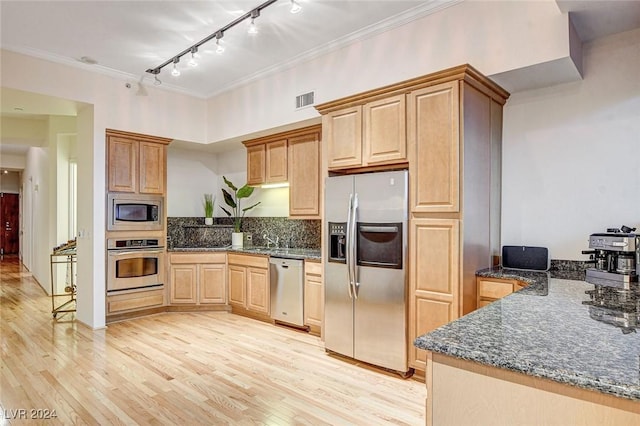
x: 291, y: 233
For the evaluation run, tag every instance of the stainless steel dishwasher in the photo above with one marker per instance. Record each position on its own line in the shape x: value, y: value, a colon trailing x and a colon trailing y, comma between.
x: 287, y: 290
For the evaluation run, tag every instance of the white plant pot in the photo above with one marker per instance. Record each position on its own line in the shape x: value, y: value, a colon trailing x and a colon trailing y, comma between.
x: 208, y: 221
x: 237, y: 240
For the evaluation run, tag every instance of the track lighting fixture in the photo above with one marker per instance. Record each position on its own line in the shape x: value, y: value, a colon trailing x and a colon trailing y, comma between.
x: 175, y: 71
x: 252, y: 15
x: 220, y: 48
x: 194, y: 54
x: 253, y: 29
x: 295, y: 7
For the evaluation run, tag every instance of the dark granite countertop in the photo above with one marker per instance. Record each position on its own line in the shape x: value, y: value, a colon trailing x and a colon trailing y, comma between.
x: 545, y: 331
x: 289, y: 253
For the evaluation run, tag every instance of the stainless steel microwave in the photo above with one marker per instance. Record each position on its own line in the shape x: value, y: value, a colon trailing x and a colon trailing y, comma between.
x: 134, y: 212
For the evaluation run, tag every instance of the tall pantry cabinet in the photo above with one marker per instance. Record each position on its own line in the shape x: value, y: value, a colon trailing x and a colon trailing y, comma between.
x: 446, y: 128
x: 454, y: 149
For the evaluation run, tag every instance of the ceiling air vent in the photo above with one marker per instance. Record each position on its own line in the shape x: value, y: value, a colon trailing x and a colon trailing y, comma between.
x: 304, y: 100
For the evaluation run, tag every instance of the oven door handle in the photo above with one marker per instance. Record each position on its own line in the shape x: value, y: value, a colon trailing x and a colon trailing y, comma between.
x: 126, y: 253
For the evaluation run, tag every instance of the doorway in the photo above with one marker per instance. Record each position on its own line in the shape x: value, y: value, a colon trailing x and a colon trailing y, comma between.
x: 9, y: 219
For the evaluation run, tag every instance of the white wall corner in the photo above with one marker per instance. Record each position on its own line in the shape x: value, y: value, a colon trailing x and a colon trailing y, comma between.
x: 575, y: 46
x: 564, y: 66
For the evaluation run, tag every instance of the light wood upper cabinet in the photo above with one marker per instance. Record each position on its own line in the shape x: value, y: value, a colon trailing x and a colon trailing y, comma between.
x: 256, y: 164
x: 122, y: 160
x: 434, y: 145
x: 293, y: 156
x: 276, y: 161
x: 372, y: 134
x: 136, y: 163
x: 343, y: 135
x: 266, y: 162
x: 304, y: 175
x: 385, y: 136
x: 152, y: 168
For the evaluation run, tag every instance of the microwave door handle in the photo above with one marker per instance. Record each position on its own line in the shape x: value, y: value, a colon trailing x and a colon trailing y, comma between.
x: 354, y: 248
x: 347, y: 254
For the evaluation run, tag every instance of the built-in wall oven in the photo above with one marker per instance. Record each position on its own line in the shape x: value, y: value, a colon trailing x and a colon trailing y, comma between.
x: 134, y: 264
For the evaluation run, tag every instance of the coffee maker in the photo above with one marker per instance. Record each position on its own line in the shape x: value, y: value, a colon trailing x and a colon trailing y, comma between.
x: 616, y: 258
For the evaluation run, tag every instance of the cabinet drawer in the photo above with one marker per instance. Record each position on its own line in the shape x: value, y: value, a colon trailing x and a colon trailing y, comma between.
x: 198, y: 258
x: 494, y: 289
x: 130, y: 301
x: 244, y: 260
x: 312, y: 268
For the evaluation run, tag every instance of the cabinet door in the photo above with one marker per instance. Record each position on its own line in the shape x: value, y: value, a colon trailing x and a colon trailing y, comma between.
x: 212, y: 282
x: 434, y: 148
x: 304, y: 176
x: 343, y: 132
x: 256, y: 164
x: 183, y: 283
x: 276, y: 161
x: 258, y: 294
x: 385, y: 136
x: 492, y: 289
x: 313, y: 297
x: 237, y: 285
x: 122, y: 164
x: 433, y: 279
x: 152, y: 168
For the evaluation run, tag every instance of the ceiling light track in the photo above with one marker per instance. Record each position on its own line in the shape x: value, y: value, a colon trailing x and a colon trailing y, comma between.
x: 218, y: 34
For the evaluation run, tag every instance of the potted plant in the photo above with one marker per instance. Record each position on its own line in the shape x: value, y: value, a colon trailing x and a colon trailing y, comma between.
x: 232, y: 199
x: 208, y: 204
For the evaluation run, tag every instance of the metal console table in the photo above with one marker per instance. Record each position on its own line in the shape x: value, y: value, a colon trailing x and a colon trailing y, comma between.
x: 63, y: 298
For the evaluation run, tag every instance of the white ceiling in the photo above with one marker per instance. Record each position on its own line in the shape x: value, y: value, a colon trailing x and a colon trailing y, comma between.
x: 128, y: 37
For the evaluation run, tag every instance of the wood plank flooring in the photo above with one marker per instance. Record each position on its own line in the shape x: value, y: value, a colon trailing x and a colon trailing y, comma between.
x: 181, y: 368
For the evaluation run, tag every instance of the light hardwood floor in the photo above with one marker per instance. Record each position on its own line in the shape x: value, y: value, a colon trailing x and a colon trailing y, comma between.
x: 181, y: 368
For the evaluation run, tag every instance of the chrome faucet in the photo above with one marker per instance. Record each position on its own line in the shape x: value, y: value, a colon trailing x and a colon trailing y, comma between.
x: 270, y: 241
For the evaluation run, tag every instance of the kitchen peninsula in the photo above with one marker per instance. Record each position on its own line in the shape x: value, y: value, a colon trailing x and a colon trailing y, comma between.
x: 536, y: 356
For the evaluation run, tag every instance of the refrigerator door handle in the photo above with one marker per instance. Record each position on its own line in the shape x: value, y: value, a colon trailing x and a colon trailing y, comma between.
x: 354, y: 249
x: 347, y: 254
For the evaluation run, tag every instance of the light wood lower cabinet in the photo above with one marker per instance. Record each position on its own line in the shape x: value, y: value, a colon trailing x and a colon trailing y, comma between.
x: 433, y: 279
x: 197, y: 278
x: 249, y: 290
x: 492, y: 289
x: 135, y: 301
x: 313, y: 296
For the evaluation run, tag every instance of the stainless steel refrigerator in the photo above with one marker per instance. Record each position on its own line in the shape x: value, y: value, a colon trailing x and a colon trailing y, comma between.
x: 365, y: 268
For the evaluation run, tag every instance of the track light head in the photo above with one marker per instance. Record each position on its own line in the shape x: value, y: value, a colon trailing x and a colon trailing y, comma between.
x: 295, y: 7
x: 253, y: 29
x: 175, y: 71
x: 194, y: 54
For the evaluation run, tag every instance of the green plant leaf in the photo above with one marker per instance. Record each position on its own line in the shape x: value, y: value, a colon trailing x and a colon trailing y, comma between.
x: 229, y: 184
x: 250, y: 207
x: 245, y: 191
x: 228, y: 198
x: 226, y: 211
